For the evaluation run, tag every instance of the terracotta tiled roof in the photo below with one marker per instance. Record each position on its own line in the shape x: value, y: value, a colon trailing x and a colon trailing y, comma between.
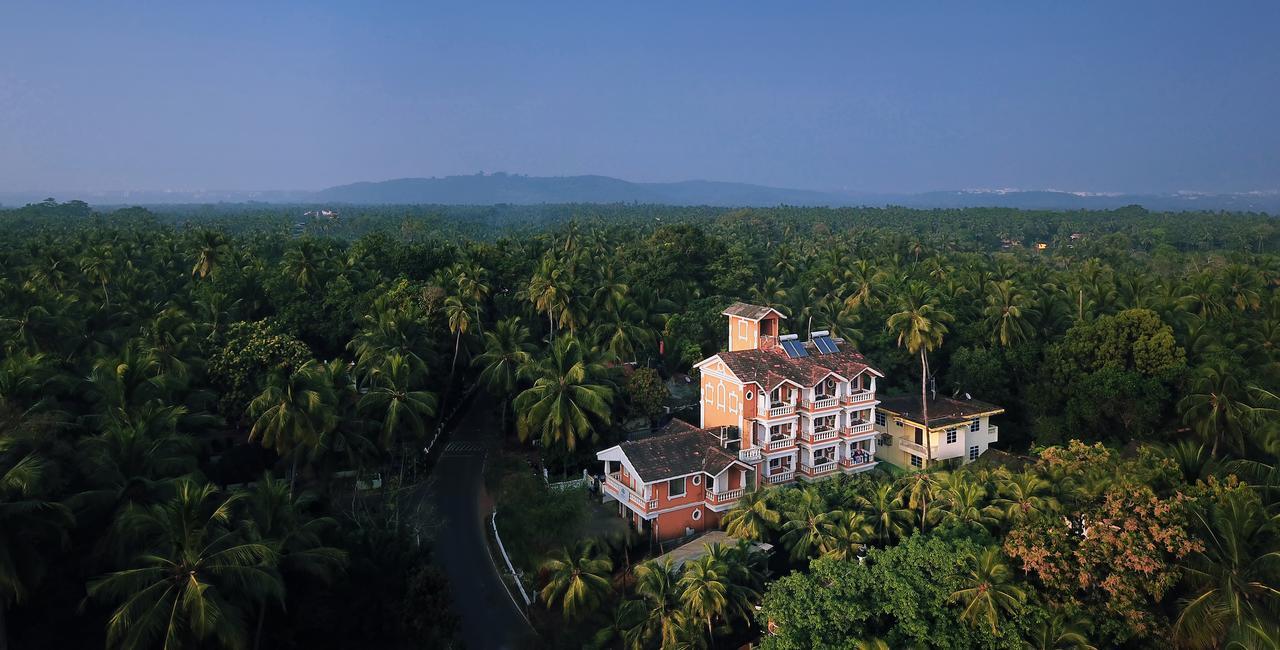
x: 769, y: 367
x: 678, y: 450
x: 943, y: 411
x: 750, y: 312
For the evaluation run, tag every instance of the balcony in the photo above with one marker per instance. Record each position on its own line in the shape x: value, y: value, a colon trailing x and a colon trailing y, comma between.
x: 821, y: 404
x: 780, y: 477
x: 724, y: 498
x: 856, y: 429
x: 821, y: 435
x: 820, y: 469
x: 993, y: 432
x: 781, y: 411
x: 780, y: 443
x: 858, y: 397
x: 751, y: 455
x: 908, y: 445
x: 614, y: 486
x: 850, y: 465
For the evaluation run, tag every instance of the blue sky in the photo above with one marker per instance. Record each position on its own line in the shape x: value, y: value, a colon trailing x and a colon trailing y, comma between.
x: 1099, y: 96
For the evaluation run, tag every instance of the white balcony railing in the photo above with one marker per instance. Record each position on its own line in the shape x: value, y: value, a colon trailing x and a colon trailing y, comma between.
x: 822, y: 435
x: 823, y: 403
x: 623, y: 493
x: 993, y: 432
x: 780, y: 443
x: 727, y: 496
x: 858, y: 397
x: 820, y: 468
x: 780, y: 411
x: 751, y: 455
x: 856, y: 429
x: 780, y: 477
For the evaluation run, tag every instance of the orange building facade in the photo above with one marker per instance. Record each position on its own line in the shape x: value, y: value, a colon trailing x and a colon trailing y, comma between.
x: 774, y: 409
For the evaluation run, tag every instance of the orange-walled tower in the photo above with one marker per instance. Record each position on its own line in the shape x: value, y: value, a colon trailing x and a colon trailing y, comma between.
x: 752, y: 326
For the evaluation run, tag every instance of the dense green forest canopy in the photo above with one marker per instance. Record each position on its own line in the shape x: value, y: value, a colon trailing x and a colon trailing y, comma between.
x: 152, y: 357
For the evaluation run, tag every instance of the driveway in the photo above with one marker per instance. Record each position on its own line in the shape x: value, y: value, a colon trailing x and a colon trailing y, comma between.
x: 489, y: 617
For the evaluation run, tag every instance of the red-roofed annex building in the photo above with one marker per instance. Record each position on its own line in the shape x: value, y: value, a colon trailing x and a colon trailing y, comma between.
x: 774, y: 410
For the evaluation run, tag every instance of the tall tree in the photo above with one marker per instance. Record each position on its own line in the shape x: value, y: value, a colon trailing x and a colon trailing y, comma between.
x: 577, y: 583
x: 566, y: 404
x: 920, y: 326
x: 294, y: 412
x: 989, y: 591
x: 194, y: 581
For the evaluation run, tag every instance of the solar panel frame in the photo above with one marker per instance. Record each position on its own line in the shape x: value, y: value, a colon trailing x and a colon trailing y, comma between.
x: 794, y: 349
x: 826, y: 345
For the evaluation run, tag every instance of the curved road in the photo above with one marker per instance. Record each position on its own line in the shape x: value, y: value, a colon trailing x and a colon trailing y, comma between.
x: 456, y: 496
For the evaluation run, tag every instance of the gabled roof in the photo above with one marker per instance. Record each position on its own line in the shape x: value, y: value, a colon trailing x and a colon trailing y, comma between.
x: 750, y: 312
x: 772, y: 366
x: 943, y: 411
x: 679, y: 449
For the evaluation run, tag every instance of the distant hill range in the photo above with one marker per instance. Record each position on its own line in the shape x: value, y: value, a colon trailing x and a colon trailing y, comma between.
x: 487, y: 189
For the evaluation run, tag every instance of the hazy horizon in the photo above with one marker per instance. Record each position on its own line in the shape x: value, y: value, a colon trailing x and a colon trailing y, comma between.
x: 1151, y: 97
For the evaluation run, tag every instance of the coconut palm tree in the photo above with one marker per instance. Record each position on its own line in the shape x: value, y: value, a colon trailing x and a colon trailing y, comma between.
x: 989, y: 591
x: 549, y: 290
x: 393, y: 401
x: 848, y: 536
x: 294, y: 412
x: 1009, y: 313
x: 917, y: 490
x: 884, y: 508
x: 863, y: 285
x: 1231, y: 584
x: 1057, y: 633
x: 752, y: 517
x: 807, y: 524
x: 280, y: 521
x: 130, y: 464
x: 920, y: 326
x: 704, y: 591
x: 965, y: 502
x: 212, y: 247
x: 194, y: 582
x: 625, y: 628
x: 304, y: 263
x: 507, y: 349
x: 1023, y: 496
x: 1216, y: 406
x: 566, y: 404
x: 30, y: 521
x: 657, y: 584
x: 577, y: 583
x: 459, y: 318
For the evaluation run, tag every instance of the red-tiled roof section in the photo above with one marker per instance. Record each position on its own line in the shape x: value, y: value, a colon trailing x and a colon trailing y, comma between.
x: 750, y: 312
x: 771, y: 366
x: 943, y: 411
x: 679, y: 449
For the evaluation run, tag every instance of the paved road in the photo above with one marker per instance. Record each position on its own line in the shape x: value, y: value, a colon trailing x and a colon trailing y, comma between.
x: 489, y: 618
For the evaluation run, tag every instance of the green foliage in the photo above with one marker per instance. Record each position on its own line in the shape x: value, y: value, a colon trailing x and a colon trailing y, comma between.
x: 901, y: 594
x: 647, y: 392
x: 245, y: 356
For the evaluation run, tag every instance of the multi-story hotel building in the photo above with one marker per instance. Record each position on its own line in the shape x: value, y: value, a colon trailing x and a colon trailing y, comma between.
x: 774, y: 409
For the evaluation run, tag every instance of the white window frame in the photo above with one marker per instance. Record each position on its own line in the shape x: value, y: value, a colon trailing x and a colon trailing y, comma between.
x: 916, y: 461
x: 697, y: 514
x: 973, y: 453
x: 952, y: 436
x: 975, y: 426
x: 881, y: 420
x: 684, y: 487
